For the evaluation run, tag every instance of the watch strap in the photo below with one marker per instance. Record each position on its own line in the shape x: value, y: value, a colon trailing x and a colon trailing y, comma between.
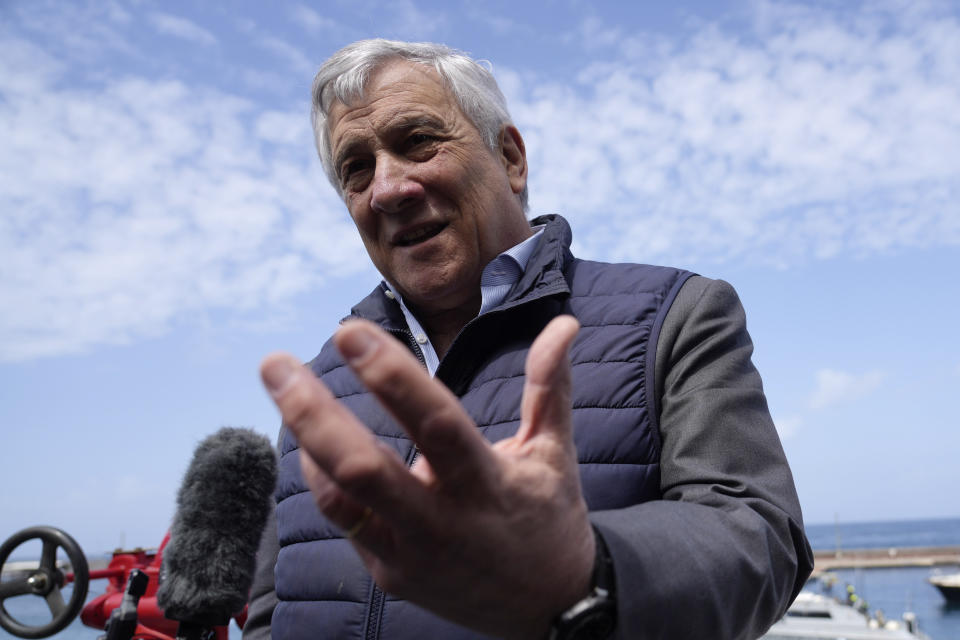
x: 594, y: 616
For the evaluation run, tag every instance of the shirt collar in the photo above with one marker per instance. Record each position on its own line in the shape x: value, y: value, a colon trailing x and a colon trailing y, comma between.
x: 498, y: 277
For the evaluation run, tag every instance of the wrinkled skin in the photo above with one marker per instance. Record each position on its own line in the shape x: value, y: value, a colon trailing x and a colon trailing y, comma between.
x: 433, y: 204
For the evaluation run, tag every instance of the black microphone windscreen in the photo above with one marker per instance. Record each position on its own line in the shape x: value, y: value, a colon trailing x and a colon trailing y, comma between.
x: 222, y: 508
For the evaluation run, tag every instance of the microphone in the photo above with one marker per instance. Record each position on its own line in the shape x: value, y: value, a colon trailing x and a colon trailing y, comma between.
x: 222, y: 508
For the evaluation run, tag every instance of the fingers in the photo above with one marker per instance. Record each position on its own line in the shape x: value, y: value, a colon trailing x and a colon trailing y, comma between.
x: 359, y: 523
x: 428, y: 411
x: 546, y: 392
x: 341, y: 447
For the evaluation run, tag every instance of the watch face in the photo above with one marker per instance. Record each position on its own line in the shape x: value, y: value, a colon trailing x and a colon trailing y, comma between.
x: 593, y: 618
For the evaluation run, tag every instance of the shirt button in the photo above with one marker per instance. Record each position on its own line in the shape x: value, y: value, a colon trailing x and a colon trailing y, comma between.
x: 389, y: 294
x: 421, y: 338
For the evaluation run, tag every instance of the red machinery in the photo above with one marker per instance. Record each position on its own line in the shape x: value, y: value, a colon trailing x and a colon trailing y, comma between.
x: 144, y: 619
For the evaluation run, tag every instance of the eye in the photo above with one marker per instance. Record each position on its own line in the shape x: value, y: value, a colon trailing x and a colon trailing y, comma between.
x: 419, y: 138
x: 420, y: 147
x: 353, y: 172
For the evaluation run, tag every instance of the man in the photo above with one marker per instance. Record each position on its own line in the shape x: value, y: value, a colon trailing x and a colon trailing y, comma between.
x: 593, y: 455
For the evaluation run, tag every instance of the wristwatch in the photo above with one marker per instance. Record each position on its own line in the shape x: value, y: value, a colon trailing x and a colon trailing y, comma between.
x: 595, y: 616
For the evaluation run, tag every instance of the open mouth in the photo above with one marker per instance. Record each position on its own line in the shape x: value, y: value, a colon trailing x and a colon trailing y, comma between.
x: 419, y: 234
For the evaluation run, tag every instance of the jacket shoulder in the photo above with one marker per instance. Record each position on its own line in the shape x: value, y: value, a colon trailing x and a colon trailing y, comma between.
x: 589, y: 276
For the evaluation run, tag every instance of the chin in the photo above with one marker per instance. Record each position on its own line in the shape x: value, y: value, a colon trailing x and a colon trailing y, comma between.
x: 434, y: 292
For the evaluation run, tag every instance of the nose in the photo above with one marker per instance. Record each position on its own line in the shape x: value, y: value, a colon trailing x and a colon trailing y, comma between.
x: 393, y: 188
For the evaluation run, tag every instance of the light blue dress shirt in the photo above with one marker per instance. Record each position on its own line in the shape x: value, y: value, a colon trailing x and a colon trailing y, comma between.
x: 497, y: 278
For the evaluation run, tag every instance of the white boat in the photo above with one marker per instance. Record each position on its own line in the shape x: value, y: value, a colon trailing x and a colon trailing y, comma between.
x: 949, y: 586
x: 816, y: 616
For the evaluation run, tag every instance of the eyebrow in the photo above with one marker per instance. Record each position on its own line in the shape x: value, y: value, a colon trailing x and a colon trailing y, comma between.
x: 407, y: 122
x: 393, y: 127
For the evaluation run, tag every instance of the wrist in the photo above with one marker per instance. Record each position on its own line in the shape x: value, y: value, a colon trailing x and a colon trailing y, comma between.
x: 594, y: 616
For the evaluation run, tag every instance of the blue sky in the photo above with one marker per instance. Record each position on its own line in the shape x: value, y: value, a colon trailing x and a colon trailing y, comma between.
x: 164, y: 221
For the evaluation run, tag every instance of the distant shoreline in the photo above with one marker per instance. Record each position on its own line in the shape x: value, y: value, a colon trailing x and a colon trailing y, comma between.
x: 874, y: 523
x: 889, y: 557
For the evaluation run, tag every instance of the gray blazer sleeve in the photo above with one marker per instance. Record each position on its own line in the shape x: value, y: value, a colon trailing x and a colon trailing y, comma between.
x: 723, y: 553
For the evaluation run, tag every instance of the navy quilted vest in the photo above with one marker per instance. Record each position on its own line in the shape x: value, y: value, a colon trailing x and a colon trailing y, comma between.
x: 323, y: 589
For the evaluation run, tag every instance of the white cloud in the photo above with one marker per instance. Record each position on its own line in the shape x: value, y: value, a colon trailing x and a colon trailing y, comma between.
x: 18, y: 54
x: 86, y: 30
x: 130, y: 204
x: 298, y: 61
x: 181, y: 28
x: 817, y: 133
x: 788, y: 426
x: 413, y: 22
x: 313, y: 21
x: 592, y: 34
x: 133, y: 205
x: 291, y: 128
x: 282, y: 49
x: 499, y: 25
x: 838, y: 387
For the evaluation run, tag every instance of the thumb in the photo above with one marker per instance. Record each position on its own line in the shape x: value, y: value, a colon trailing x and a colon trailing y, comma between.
x: 546, y: 403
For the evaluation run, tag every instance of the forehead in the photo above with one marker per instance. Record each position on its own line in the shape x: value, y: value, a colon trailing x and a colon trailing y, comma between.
x: 396, y: 91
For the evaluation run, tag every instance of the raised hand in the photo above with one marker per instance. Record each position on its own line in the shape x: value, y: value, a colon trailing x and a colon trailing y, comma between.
x: 495, y: 537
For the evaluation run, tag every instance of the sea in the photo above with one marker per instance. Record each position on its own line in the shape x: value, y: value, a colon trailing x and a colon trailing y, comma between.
x: 894, y: 591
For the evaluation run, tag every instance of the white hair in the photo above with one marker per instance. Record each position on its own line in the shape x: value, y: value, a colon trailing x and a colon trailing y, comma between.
x: 343, y: 78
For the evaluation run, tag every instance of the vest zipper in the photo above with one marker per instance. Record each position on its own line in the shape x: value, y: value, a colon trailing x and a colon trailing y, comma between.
x: 417, y: 351
x: 412, y: 344
x: 376, y: 611
x: 376, y: 595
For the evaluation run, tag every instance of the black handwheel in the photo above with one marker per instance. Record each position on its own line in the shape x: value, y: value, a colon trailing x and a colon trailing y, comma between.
x: 44, y: 581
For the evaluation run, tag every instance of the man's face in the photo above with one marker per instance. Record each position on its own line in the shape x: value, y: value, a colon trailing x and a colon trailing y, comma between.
x: 432, y: 203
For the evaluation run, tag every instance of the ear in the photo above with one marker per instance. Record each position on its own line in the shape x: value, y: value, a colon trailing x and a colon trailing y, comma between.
x: 513, y: 154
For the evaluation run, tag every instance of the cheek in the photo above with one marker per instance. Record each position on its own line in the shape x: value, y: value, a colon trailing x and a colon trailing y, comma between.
x: 452, y: 173
x: 366, y: 224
